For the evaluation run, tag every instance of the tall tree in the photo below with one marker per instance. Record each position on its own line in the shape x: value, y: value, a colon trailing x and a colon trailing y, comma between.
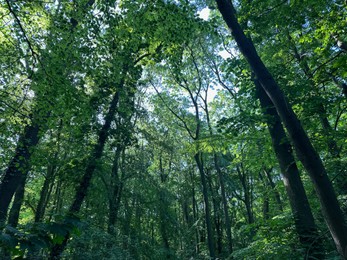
x: 306, y: 152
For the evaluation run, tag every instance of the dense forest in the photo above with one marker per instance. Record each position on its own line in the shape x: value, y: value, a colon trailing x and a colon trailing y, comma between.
x: 173, y: 129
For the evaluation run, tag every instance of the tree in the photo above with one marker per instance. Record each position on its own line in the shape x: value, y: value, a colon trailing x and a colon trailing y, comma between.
x: 306, y: 153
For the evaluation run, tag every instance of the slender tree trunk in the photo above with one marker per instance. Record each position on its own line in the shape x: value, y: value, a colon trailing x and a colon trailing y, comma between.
x: 247, y: 198
x: 163, y: 210
x: 195, y: 213
x: 49, y: 181
x: 216, y: 216
x: 210, y: 237
x: 18, y: 168
x: 163, y: 223
x: 273, y: 187
x: 221, y: 183
x: 303, y: 218
x: 91, y: 165
x: 266, y: 208
x: 306, y: 153
x: 225, y: 204
x: 114, y: 197
x: 58, y: 197
x: 44, y: 194
x: 266, y: 202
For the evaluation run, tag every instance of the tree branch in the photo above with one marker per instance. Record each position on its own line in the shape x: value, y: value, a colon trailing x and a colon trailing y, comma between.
x: 174, y: 113
x: 21, y: 28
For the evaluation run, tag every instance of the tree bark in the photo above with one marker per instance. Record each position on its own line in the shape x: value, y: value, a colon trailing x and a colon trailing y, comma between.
x: 306, y: 153
x: 303, y: 218
x: 13, y: 216
x: 18, y: 168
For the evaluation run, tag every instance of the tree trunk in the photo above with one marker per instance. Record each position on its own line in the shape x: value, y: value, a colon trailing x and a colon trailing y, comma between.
x: 91, y: 165
x: 195, y: 213
x: 303, y: 218
x: 163, y: 210
x: 307, y: 154
x: 225, y: 204
x: 221, y: 183
x: 13, y: 216
x: 216, y: 216
x: 45, y: 193
x: 115, y: 190
x: 18, y: 168
x: 266, y: 202
x: 210, y: 237
x: 273, y: 187
x: 49, y: 180
x: 247, y: 198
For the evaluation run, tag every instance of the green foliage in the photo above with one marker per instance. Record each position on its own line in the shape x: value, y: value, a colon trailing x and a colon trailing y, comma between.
x: 38, y: 237
x: 274, y: 239
x: 62, y: 62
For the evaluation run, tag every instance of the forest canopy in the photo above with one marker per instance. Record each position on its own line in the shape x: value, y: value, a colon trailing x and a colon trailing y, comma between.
x: 173, y: 129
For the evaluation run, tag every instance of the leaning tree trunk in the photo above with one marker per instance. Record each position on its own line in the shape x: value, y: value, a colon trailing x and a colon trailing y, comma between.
x: 18, y: 168
x: 90, y: 169
x: 304, y: 149
x: 303, y: 218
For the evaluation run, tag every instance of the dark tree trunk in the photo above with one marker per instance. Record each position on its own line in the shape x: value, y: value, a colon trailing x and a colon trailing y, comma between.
x: 163, y: 211
x: 210, y: 237
x: 96, y: 155
x: 49, y: 181
x: 266, y: 202
x: 13, y: 216
x: 216, y: 216
x: 91, y: 165
x: 306, y: 153
x: 266, y: 208
x: 45, y: 193
x: 303, y: 218
x: 57, y: 198
x: 18, y: 168
x: 247, y: 194
x: 195, y: 213
x: 115, y: 190
x: 225, y: 204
